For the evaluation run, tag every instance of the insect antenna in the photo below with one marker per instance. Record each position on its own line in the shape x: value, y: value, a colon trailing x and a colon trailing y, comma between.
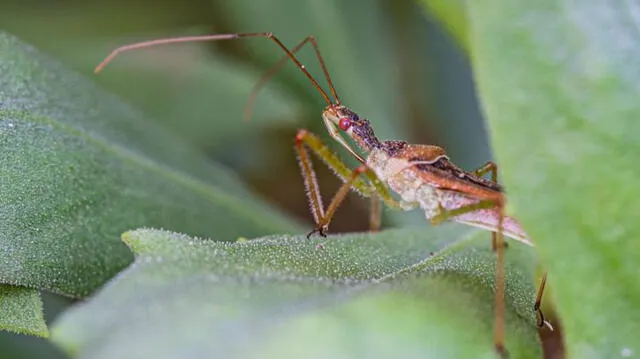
x: 290, y: 54
x: 278, y: 65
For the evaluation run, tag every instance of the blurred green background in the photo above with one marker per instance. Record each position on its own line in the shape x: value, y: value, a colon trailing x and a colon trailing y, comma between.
x: 390, y: 61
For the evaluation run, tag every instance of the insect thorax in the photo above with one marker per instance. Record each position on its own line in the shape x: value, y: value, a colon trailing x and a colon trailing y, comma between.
x: 403, y: 178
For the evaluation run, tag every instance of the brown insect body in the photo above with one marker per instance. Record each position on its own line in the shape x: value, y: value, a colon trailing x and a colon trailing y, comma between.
x: 414, y: 184
x: 423, y: 176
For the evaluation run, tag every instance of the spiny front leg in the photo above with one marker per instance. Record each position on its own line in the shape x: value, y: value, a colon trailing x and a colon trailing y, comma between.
x: 373, y: 189
x: 341, y: 194
x: 310, y: 181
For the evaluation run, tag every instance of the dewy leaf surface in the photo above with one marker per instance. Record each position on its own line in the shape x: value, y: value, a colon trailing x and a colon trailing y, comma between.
x: 79, y: 167
x: 560, y: 83
x: 402, y: 293
x: 21, y: 311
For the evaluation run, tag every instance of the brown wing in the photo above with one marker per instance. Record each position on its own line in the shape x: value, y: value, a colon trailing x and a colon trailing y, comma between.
x: 445, y: 165
x: 435, y: 168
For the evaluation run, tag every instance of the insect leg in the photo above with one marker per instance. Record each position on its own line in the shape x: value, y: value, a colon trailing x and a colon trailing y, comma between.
x: 489, y: 167
x: 541, y: 322
x: 445, y: 214
x: 486, y: 168
x: 341, y: 194
x: 375, y: 213
x: 498, y: 334
x: 353, y: 179
x: 499, y: 248
x: 540, y: 316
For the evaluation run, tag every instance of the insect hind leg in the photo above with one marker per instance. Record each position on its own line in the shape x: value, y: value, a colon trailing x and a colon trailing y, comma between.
x: 499, y: 246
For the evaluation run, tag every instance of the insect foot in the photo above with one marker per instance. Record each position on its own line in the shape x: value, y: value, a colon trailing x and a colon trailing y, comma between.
x: 321, y: 230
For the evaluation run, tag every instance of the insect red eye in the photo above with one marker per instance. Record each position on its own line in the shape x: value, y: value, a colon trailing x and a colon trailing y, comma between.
x: 344, y: 123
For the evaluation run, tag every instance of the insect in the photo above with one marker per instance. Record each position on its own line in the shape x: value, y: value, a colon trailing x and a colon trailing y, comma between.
x: 421, y: 175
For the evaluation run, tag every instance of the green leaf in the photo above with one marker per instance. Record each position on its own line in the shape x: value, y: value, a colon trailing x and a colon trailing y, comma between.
x: 16, y: 345
x: 452, y: 14
x: 369, y: 295
x: 79, y: 167
x: 21, y: 311
x: 559, y: 82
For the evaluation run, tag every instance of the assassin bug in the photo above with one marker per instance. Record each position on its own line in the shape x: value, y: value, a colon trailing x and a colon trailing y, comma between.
x: 421, y: 175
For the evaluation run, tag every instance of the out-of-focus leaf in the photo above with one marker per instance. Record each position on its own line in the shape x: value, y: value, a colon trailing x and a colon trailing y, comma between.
x: 34, y: 347
x: 452, y: 14
x: 17, y: 346
x: 195, y: 93
x: 21, y: 311
x: 79, y: 167
x: 357, y: 295
x: 560, y: 82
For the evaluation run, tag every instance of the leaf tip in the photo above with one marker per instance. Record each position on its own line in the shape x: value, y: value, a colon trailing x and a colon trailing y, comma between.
x: 64, y: 340
x: 137, y: 239
x: 151, y: 240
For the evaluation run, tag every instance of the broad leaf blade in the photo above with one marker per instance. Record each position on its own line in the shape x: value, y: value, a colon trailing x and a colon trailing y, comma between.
x: 79, y: 167
x: 284, y: 296
x: 21, y: 311
x: 559, y: 81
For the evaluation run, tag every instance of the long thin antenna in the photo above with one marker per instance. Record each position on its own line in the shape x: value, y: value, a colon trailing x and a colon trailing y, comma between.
x: 218, y: 37
x: 278, y: 65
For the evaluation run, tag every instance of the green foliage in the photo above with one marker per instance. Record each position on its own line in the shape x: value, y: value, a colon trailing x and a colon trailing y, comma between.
x: 366, y: 294
x: 559, y: 82
x: 79, y: 167
x: 452, y: 14
x: 559, y: 86
x: 21, y: 311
